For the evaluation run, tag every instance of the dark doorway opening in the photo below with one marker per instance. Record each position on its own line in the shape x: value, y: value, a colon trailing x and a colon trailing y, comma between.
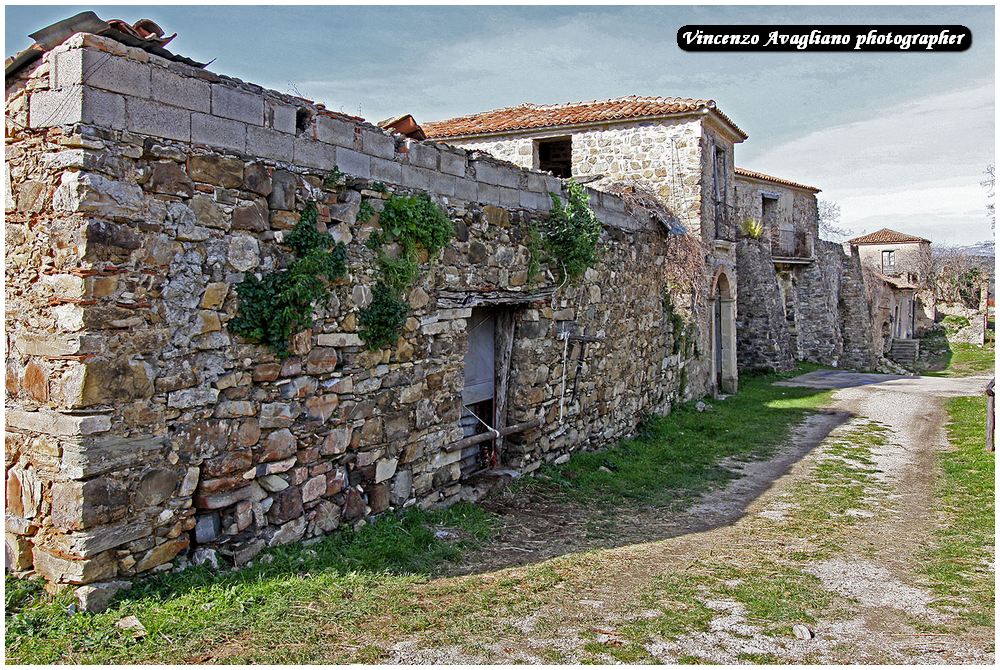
x: 556, y: 156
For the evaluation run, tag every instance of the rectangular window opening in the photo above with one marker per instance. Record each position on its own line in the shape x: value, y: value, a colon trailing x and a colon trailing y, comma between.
x: 556, y: 156
x: 888, y: 260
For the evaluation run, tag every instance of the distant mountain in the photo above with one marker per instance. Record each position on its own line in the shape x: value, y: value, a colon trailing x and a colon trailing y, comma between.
x: 985, y: 248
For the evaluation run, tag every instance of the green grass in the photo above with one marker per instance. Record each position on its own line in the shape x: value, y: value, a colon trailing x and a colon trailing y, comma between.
x: 940, y: 358
x: 677, y: 457
x: 957, y: 564
x: 348, y: 597
x: 353, y: 574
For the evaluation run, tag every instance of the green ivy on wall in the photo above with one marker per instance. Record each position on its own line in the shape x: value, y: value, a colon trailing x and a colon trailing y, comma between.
x: 408, y: 224
x: 281, y: 303
x: 568, y: 237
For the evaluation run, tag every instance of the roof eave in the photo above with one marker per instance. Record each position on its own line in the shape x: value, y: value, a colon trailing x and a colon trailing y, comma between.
x: 589, y: 124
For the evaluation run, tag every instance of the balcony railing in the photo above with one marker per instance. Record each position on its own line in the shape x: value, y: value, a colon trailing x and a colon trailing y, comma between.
x: 791, y: 244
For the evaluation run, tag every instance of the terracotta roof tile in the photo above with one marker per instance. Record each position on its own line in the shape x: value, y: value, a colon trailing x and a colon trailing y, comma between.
x: 743, y: 172
x: 529, y: 116
x: 886, y: 236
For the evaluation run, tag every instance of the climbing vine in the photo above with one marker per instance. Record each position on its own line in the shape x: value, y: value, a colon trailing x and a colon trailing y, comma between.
x: 280, y: 303
x: 408, y: 224
x: 568, y: 237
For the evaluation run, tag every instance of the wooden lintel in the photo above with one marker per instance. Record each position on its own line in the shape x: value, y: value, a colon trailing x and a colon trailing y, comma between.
x: 451, y: 299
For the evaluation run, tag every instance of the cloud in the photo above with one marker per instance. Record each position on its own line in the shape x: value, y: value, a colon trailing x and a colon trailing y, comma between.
x: 915, y: 166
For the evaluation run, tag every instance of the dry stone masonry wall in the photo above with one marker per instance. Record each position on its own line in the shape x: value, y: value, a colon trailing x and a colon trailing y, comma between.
x: 141, y: 432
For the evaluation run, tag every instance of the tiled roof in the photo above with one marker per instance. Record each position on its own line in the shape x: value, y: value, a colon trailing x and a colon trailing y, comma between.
x: 886, y: 236
x: 530, y: 116
x: 743, y: 172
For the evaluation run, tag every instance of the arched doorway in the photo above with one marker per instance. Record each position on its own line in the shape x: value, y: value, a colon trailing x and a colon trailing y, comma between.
x: 724, y: 374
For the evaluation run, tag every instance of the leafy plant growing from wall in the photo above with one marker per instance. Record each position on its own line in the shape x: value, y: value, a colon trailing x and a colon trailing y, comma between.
x: 408, y: 224
x: 752, y: 228
x: 569, y: 235
x: 281, y: 303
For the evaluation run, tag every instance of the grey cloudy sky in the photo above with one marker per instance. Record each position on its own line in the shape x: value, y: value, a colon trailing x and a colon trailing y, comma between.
x: 898, y: 140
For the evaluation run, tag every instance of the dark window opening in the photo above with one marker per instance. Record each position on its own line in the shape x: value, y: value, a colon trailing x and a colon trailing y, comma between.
x: 303, y: 117
x: 479, y: 393
x: 556, y: 156
x: 768, y: 211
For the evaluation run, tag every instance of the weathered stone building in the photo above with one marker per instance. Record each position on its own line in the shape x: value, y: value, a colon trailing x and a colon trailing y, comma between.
x: 141, y: 431
x: 896, y: 268
x: 808, y: 301
x: 680, y: 149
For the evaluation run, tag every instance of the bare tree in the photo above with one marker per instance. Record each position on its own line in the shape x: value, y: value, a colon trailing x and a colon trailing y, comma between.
x: 989, y: 183
x: 829, y: 221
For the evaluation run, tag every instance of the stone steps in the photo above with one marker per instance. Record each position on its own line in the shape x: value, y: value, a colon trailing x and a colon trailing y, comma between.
x: 904, y: 351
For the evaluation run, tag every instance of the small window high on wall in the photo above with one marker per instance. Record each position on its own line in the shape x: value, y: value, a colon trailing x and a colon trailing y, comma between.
x: 556, y: 156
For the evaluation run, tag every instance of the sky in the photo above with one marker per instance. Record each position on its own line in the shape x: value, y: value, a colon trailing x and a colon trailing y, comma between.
x: 897, y: 140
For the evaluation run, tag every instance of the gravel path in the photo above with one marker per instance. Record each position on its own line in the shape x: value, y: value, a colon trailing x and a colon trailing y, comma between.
x: 882, y: 611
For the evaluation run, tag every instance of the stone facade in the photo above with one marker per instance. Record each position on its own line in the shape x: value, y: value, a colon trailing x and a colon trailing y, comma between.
x: 675, y: 159
x: 809, y: 301
x: 139, y: 429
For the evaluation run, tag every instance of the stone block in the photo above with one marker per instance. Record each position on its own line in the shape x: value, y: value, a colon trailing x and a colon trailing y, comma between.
x: 187, y: 92
x: 101, y: 70
x: 86, y: 457
x: 232, y: 103
x: 424, y: 155
x: 336, y: 441
x: 268, y: 143
x: 488, y: 194
x: 279, y: 116
x: 510, y: 198
x: 321, y: 359
x: 95, y: 598
x: 147, y: 117
x: 227, y: 463
x: 216, y: 170
x: 61, y: 570
x: 169, y: 178
x: 277, y: 415
x: 58, y: 107
x: 378, y: 144
x: 89, y: 543
x: 335, y: 131
x: 353, y: 163
x: 227, y: 498
x: 292, y: 531
x: 309, y: 153
x: 17, y: 552
x: 486, y: 173
x: 77, y: 505
x: 48, y: 422
x: 251, y: 216
x: 453, y: 163
x: 278, y: 445
x: 417, y: 177
x: 215, y: 132
x: 339, y: 340
x: 283, y: 185
x: 386, y: 170
x: 385, y: 469
x: 509, y: 177
x: 467, y: 189
x: 287, y: 505
x: 314, y: 488
x: 162, y: 553
x: 207, y: 528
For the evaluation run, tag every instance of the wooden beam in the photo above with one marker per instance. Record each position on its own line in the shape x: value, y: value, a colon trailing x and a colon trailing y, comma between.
x: 450, y: 299
x: 487, y: 436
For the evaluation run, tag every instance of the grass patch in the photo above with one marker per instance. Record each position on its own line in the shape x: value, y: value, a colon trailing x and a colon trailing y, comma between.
x: 940, y: 358
x: 674, y: 458
x: 346, y: 579
x: 957, y: 563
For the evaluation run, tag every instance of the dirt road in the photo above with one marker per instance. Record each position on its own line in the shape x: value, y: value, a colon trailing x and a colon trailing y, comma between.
x: 828, y: 533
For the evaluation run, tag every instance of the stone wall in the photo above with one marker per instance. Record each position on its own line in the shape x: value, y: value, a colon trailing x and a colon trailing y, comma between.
x: 140, y: 429
x: 764, y: 340
x: 664, y: 155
